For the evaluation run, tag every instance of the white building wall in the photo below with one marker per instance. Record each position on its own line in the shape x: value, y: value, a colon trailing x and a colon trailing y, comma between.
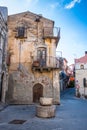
x: 78, y: 65
x: 79, y: 75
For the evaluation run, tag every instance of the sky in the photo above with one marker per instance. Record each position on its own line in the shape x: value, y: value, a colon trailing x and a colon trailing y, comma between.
x: 69, y: 15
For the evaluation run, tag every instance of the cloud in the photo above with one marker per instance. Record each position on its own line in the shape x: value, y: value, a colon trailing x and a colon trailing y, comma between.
x: 32, y: 1
x: 35, y: 1
x: 72, y: 4
x: 29, y: 1
x: 54, y: 5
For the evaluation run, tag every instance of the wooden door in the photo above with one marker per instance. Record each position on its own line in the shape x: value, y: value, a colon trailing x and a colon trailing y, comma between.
x: 37, y: 92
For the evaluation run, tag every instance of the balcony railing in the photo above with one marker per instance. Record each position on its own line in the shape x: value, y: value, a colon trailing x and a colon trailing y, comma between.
x: 51, y: 32
x: 35, y: 64
x: 50, y: 62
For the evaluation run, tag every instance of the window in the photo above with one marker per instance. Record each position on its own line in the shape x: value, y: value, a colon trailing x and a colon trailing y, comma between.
x: 21, y: 32
x: 41, y: 56
x: 81, y: 66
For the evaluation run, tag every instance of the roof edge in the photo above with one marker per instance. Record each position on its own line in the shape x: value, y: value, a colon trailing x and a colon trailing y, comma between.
x: 32, y: 14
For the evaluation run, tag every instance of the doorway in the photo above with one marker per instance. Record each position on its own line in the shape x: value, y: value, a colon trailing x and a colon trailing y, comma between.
x: 37, y: 92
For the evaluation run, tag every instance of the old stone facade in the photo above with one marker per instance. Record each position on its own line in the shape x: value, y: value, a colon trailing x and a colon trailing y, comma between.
x: 33, y: 68
x: 3, y: 52
x: 81, y: 74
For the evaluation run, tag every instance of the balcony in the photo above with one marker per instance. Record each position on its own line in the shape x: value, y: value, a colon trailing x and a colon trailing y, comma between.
x: 48, y: 64
x: 50, y: 32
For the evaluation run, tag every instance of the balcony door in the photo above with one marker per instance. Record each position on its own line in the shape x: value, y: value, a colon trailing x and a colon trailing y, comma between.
x: 41, y: 55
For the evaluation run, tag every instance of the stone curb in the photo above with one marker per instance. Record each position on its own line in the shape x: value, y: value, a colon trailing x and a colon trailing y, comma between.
x: 3, y: 106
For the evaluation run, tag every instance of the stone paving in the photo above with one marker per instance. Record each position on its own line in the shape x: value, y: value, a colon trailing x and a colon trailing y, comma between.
x: 3, y: 106
x: 71, y: 114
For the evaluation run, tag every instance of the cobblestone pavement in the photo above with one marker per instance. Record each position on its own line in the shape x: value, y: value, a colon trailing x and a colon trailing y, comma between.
x: 71, y: 114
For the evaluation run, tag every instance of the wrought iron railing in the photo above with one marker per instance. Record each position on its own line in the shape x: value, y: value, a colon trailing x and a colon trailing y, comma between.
x: 51, y: 32
x: 48, y: 62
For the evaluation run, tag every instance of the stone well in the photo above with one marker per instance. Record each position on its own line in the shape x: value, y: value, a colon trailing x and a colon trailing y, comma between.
x: 45, y: 109
x: 46, y: 101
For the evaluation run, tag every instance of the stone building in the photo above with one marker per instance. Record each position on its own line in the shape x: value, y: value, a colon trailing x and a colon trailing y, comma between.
x: 64, y: 77
x: 32, y: 64
x: 3, y: 52
x: 81, y: 74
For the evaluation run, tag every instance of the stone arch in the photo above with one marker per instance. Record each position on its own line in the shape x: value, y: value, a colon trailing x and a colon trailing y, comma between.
x: 47, y: 85
x: 45, y: 80
x: 37, y: 92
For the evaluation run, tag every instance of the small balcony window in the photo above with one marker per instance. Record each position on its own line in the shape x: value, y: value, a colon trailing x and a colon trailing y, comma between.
x: 21, y: 32
x: 82, y: 67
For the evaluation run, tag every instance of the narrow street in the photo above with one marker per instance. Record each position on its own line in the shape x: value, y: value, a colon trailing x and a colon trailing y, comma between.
x: 71, y: 114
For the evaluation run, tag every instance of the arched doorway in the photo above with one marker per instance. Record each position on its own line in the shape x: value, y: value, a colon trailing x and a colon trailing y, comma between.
x: 37, y: 92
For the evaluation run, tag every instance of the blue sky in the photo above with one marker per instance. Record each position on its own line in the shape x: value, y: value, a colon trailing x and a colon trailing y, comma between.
x: 69, y: 15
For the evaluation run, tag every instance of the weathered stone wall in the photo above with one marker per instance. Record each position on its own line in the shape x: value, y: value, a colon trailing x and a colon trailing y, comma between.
x: 3, y: 52
x: 22, y: 81
x: 20, y: 88
x: 21, y: 85
x: 56, y: 87
x: 22, y: 48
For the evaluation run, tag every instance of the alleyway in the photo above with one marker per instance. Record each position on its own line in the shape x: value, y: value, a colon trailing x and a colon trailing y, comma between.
x: 71, y: 114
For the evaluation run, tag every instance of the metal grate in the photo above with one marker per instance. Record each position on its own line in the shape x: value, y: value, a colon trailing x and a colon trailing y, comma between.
x: 17, y: 121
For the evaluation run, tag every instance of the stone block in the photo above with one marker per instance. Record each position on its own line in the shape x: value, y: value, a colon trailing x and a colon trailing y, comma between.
x: 46, y: 101
x: 45, y: 111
